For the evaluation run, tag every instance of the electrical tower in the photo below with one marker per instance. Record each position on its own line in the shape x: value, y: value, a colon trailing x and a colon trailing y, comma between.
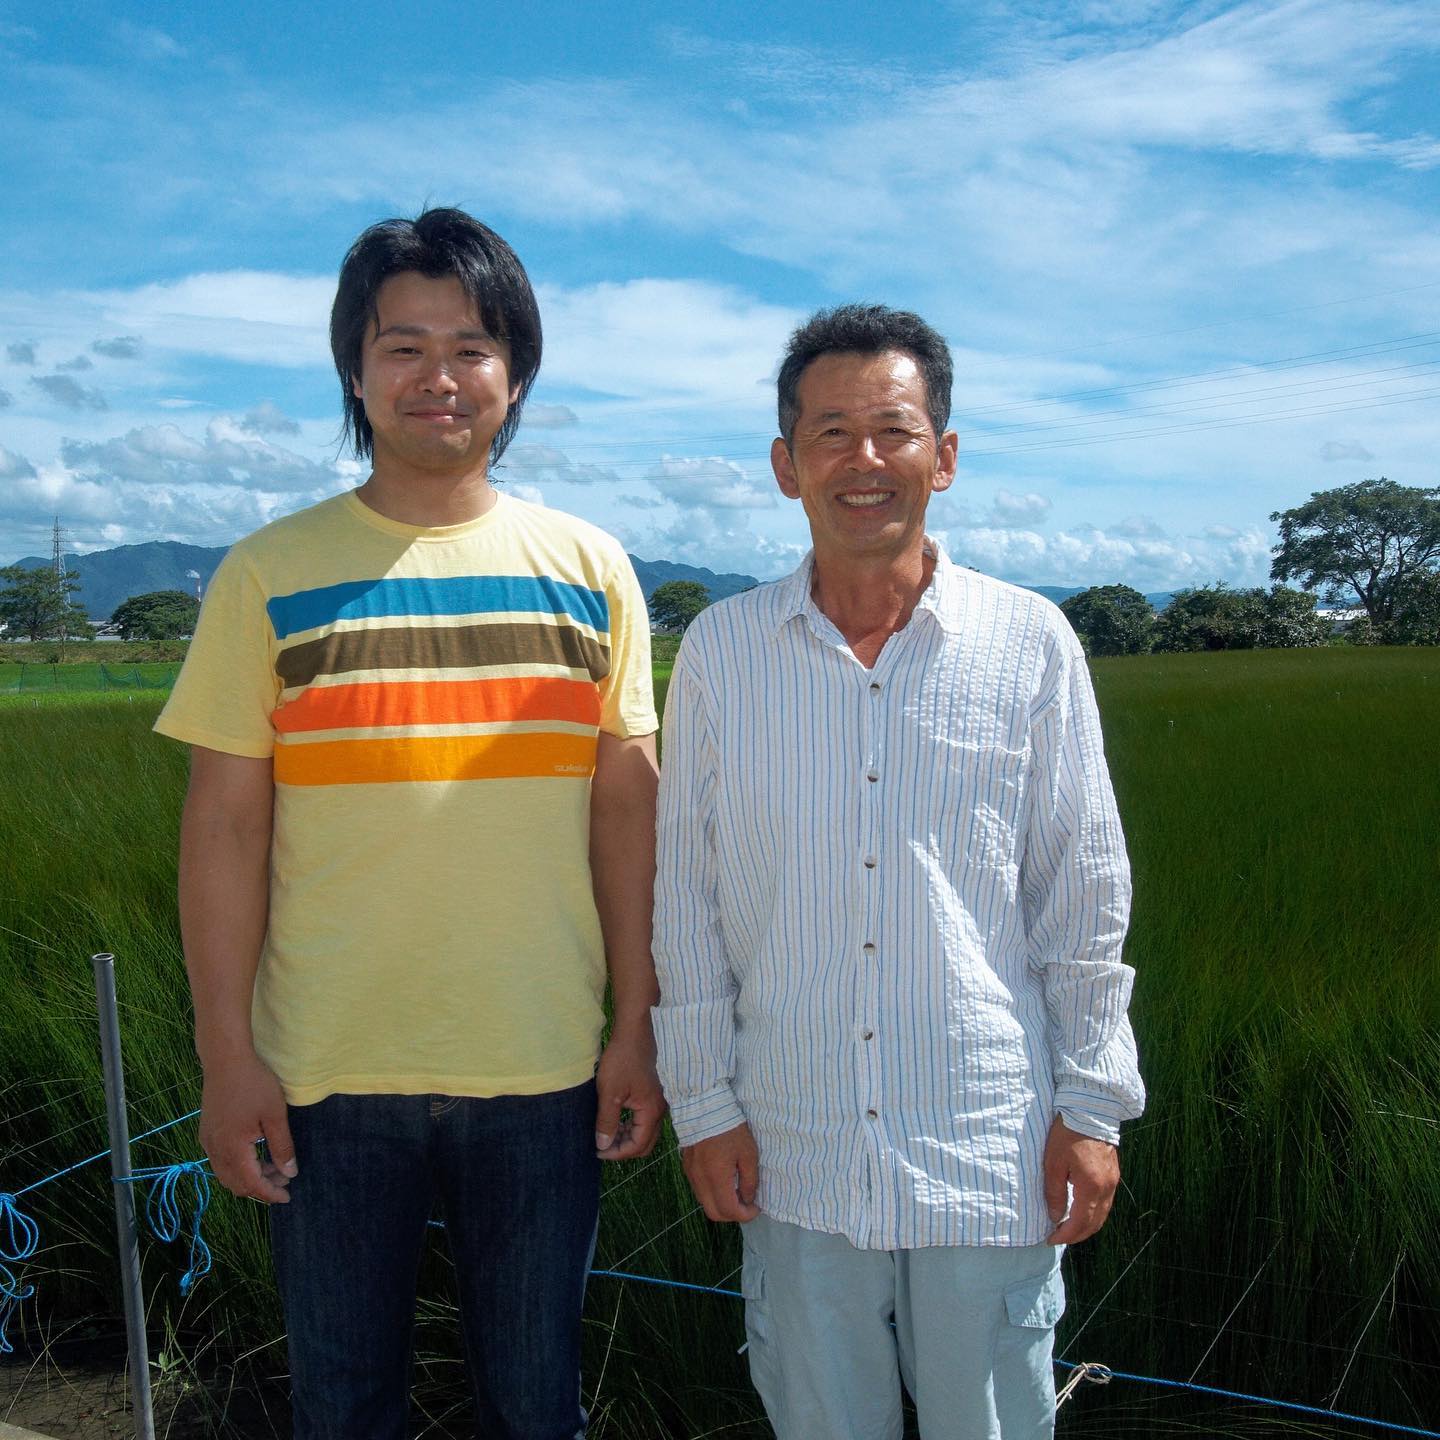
x: 57, y: 559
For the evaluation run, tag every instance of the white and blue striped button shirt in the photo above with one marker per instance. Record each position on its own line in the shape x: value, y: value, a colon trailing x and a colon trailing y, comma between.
x: 890, y: 909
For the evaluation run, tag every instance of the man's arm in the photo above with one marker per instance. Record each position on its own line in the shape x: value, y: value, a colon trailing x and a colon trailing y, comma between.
x: 622, y: 868
x: 695, y: 1021
x: 225, y: 834
x: 1076, y: 888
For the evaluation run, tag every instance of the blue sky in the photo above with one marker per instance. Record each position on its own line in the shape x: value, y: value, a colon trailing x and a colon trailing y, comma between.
x: 1187, y: 256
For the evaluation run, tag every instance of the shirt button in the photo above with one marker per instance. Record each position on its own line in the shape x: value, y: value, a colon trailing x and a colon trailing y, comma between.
x: 869, y: 862
x: 874, y: 688
x: 868, y: 947
x: 873, y: 1114
x: 872, y: 776
x: 867, y: 1034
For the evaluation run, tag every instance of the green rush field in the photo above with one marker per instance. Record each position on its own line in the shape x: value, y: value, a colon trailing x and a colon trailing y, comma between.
x: 1277, y: 1229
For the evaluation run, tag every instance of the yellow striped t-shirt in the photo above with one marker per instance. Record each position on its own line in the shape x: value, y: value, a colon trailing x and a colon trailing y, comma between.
x: 431, y: 699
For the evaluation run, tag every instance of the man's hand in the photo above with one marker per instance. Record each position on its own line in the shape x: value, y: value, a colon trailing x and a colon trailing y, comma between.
x: 1091, y: 1168
x: 724, y: 1171
x: 241, y: 1103
x: 626, y: 1080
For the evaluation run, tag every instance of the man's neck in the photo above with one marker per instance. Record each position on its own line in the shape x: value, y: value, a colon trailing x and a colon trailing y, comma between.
x: 430, y: 500
x: 868, y: 604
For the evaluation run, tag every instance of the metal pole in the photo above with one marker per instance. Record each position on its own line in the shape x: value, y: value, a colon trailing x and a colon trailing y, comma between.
x: 126, y: 1230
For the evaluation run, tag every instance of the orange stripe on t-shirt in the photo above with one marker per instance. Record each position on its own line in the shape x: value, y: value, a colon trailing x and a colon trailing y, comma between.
x: 439, y: 702
x: 436, y: 757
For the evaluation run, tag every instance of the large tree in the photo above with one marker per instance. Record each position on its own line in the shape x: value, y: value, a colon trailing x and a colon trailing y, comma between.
x: 1211, y: 617
x: 36, y: 604
x: 1111, y: 620
x: 1369, y: 537
x: 676, y: 603
x: 158, y: 615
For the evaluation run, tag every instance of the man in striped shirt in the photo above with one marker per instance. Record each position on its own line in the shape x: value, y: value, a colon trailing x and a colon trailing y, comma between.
x: 891, y: 900
x: 420, y: 825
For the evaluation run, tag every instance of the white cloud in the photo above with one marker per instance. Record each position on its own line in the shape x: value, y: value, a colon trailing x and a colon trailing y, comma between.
x: 549, y: 417
x: 69, y: 393
x: 256, y: 316
x: 165, y: 456
x: 712, y: 483
x: 119, y: 347
x: 1012, y: 509
x: 1333, y: 450
x: 527, y: 464
x: 14, y: 467
x: 662, y: 338
x: 267, y: 418
x: 1090, y: 556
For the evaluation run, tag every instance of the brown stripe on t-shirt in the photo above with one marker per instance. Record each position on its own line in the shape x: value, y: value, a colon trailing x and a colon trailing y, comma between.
x: 448, y: 647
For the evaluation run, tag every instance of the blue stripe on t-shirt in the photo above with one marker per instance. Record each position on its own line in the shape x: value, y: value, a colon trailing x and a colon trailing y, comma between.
x: 425, y: 595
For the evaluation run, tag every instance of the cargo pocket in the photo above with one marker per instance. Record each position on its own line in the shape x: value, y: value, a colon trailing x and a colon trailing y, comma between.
x: 752, y: 1287
x: 1036, y: 1304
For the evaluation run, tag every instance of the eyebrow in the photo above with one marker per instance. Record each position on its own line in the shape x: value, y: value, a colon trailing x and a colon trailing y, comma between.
x: 891, y: 412
x: 423, y: 330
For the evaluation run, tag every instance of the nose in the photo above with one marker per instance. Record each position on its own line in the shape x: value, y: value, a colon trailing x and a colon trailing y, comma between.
x: 437, y: 378
x: 865, y: 454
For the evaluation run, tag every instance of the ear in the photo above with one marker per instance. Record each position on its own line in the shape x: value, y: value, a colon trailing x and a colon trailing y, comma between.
x: 946, y: 461
x: 514, y: 394
x: 355, y: 387
x: 784, y: 468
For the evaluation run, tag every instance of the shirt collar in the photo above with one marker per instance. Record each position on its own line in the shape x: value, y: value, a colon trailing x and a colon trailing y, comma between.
x: 941, y: 598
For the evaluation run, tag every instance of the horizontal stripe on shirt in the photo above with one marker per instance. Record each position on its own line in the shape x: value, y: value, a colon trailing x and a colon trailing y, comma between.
x: 439, y: 702
x: 436, y: 649
x: 435, y: 595
x: 447, y: 757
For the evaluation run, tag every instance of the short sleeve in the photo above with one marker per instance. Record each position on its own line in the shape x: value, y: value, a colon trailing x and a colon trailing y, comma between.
x: 627, y: 695
x: 227, y: 688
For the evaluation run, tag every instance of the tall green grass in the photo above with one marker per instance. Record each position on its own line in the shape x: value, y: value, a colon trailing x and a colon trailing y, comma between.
x: 1282, y: 1193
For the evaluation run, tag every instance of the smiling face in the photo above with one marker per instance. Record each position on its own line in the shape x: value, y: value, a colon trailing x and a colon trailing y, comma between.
x: 435, y: 384
x: 864, y: 459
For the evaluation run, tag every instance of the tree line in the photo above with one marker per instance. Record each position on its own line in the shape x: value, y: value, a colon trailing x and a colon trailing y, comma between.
x: 40, y: 604
x: 1372, y: 547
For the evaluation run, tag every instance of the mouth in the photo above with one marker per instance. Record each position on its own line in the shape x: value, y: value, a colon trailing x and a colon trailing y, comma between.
x: 865, y: 499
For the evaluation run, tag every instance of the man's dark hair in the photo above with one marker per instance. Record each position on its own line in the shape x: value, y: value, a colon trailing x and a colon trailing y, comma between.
x: 866, y: 330
x: 439, y: 243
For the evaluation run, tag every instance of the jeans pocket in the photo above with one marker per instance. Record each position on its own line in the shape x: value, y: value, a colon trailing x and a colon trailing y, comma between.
x: 1038, y: 1303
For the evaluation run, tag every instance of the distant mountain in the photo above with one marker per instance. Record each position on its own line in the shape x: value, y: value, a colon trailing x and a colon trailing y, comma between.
x: 108, y: 577
x: 1158, y: 601
x: 654, y: 573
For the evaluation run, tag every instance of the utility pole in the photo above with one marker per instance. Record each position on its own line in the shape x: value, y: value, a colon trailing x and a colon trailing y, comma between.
x: 57, y: 562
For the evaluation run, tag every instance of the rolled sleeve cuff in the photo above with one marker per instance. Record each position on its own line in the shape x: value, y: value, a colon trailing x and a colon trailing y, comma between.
x: 1095, y: 1113
x: 699, y: 1117
x: 1084, y: 1124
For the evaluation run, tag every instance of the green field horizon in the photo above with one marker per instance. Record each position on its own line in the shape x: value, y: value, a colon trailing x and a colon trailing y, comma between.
x: 1275, y: 1233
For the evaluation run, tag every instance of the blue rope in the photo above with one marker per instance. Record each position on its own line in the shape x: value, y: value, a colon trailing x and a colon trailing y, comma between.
x: 162, y: 1210
x: 1263, y: 1400
x: 101, y: 1154
x: 20, y: 1237
x: 670, y: 1284
x: 1114, y: 1374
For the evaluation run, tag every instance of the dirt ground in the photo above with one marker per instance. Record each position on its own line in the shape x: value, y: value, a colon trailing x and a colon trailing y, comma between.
x: 80, y: 1392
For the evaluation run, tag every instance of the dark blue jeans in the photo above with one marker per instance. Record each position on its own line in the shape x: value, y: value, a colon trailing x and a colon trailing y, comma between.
x: 516, y: 1181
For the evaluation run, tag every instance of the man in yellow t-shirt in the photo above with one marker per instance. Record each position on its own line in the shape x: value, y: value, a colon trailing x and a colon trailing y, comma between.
x: 420, y: 828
